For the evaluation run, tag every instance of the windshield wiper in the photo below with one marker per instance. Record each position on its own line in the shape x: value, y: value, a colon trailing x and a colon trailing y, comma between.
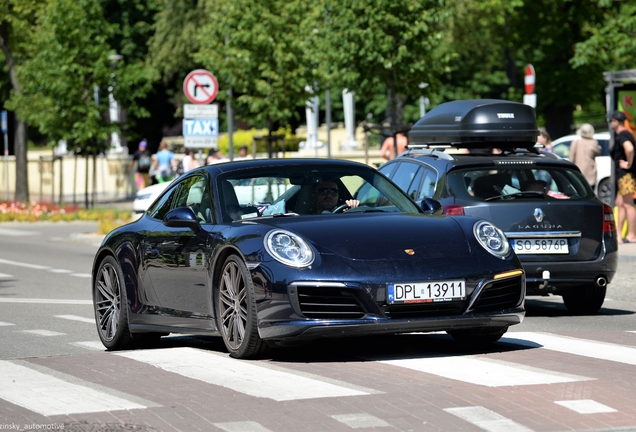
x: 520, y: 194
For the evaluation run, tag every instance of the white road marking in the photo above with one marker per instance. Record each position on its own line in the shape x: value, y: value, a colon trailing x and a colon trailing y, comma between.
x: 482, y: 371
x: 244, y: 377
x: 5, y: 276
x: 60, y: 271
x: 45, y: 301
x: 4, y: 324
x: 244, y: 426
x: 21, y: 264
x: 82, y: 275
x: 486, y: 419
x: 586, y: 406
x: 16, y: 233
x: 49, y: 396
x: 76, y: 318
x: 92, y: 345
x: 581, y: 347
x: 361, y: 420
x: 42, y: 332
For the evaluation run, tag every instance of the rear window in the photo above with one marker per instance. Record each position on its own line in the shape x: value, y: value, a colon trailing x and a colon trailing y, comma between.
x: 551, y: 183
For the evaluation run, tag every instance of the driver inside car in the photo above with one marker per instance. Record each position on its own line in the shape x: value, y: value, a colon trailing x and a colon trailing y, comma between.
x: 325, y: 195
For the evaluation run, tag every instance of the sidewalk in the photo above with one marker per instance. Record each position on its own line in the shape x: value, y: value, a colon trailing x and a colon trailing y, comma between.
x: 626, y: 251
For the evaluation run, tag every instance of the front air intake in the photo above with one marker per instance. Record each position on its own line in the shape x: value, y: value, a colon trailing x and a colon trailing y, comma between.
x: 500, y: 295
x: 328, y: 303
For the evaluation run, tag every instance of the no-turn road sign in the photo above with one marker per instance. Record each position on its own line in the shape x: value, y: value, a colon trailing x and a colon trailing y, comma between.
x: 200, y: 86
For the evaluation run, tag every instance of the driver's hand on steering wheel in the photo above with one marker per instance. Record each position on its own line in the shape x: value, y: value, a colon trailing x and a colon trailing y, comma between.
x: 352, y: 203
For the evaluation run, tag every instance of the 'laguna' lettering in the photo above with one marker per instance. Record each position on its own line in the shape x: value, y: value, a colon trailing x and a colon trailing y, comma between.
x: 506, y: 115
x: 543, y: 226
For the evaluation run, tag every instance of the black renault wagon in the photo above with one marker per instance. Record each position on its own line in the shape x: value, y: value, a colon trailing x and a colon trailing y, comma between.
x: 479, y: 158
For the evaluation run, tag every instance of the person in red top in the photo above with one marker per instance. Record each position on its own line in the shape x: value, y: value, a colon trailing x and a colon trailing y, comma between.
x: 623, y: 156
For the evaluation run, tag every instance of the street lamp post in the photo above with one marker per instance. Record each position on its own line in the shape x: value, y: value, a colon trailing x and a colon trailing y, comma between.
x: 423, y: 100
x: 113, y: 109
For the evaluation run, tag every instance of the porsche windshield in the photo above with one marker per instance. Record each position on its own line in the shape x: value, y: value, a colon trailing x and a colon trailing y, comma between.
x: 308, y: 190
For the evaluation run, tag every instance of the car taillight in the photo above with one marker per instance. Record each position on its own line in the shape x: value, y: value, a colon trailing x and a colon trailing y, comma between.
x: 452, y: 209
x: 609, y: 226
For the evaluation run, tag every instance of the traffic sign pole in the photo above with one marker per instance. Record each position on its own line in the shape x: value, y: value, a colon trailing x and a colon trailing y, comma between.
x: 530, y: 98
x: 5, y: 130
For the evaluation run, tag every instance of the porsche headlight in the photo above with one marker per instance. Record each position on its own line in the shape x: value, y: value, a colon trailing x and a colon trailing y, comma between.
x: 288, y: 248
x: 492, y: 239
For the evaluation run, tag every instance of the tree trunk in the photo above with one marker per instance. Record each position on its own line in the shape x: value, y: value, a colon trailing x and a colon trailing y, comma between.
x: 20, y: 137
x: 21, y: 165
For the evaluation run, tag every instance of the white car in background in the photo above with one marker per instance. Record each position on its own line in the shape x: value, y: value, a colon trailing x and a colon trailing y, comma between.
x: 147, y: 196
x: 603, y: 185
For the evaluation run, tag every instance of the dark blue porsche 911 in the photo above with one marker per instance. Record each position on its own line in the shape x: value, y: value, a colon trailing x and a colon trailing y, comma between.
x: 265, y: 251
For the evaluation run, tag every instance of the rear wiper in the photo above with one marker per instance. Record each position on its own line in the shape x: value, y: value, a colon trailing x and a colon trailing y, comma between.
x: 517, y: 195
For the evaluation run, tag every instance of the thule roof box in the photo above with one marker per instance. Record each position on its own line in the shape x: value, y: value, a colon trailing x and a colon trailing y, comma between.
x: 479, y: 123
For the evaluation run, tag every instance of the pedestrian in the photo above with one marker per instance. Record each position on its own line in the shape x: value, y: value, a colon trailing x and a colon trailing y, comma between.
x: 623, y: 156
x: 189, y: 162
x: 583, y: 152
x: 243, y: 153
x: 164, y: 163
x: 545, y: 140
x: 143, y: 159
x: 387, y: 151
x: 215, y: 156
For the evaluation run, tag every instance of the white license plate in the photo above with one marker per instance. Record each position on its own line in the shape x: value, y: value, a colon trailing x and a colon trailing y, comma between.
x: 426, y: 292
x: 540, y: 246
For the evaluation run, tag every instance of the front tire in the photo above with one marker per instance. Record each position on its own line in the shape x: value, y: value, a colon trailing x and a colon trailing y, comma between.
x: 584, y: 300
x: 236, y: 310
x: 109, y: 302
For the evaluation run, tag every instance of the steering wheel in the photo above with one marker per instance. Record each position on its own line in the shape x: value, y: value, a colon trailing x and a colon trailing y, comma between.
x: 340, y: 209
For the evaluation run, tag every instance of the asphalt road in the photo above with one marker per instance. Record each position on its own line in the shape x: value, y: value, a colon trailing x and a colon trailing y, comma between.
x: 553, y: 372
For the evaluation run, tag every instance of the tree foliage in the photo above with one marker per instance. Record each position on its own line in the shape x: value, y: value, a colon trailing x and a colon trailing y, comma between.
x: 386, y: 44
x: 257, y: 48
x: 71, y: 57
x: 612, y: 42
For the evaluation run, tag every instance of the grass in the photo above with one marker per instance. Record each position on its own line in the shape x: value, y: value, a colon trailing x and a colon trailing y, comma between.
x: 108, y: 219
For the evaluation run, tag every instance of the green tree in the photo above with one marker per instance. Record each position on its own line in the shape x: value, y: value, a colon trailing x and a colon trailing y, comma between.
x: 16, y: 30
x: 71, y: 58
x: 547, y: 41
x: 386, y: 44
x: 612, y: 43
x: 478, y: 60
x: 257, y: 47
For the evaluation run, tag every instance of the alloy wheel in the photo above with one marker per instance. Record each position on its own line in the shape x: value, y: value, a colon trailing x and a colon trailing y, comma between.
x: 233, y: 305
x: 107, y: 302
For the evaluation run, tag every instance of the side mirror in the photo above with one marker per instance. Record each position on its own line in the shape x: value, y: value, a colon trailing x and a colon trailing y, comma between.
x: 182, y: 217
x: 431, y: 206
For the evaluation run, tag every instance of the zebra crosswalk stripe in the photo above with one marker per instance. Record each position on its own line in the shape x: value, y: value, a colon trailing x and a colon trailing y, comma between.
x: 486, y: 419
x: 483, y: 371
x: 248, y: 378
x: 49, y: 395
x: 569, y: 345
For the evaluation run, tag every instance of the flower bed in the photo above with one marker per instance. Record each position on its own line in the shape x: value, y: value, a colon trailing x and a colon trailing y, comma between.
x: 107, y: 219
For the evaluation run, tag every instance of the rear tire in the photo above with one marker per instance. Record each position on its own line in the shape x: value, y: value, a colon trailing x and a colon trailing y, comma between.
x: 584, y: 300
x: 478, y: 337
x: 236, y: 310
